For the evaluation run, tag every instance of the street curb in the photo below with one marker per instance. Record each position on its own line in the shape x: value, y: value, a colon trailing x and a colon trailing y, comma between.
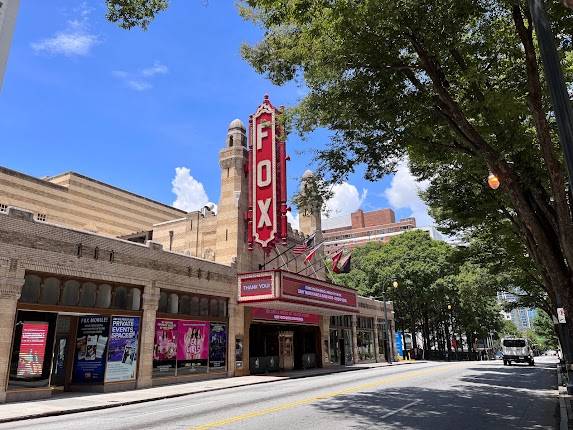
x: 171, y: 396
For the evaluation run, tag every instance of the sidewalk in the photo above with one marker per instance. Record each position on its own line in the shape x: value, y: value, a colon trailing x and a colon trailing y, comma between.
x: 565, y: 403
x: 74, y: 402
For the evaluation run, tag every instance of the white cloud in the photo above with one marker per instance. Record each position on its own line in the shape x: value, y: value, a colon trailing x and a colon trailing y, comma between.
x: 191, y: 194
x: 138, y: 85
x: 156, y: 69
x: 345, y: 200
x: 404, y: 192
x: 294, y: 220
x: 75, y: 40
x: 141, y: 80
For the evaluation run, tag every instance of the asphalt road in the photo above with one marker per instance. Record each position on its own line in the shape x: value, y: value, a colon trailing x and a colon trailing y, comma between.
x: 474, y: 395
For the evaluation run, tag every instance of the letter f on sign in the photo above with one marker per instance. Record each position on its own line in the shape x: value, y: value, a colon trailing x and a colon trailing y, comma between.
x: 264, y: 206
x: 261, y: 135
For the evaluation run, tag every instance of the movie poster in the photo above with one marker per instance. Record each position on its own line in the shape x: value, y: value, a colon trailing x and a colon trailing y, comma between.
x: 91, y: 346
x: 192, y: 346
x: 165, y: 340
x: 122, y: 350
x: 217, y: 345
x: 32, y: 349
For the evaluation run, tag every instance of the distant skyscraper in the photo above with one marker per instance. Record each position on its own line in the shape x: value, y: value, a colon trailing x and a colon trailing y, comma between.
x: 521, y: 317
x: 8, y: 12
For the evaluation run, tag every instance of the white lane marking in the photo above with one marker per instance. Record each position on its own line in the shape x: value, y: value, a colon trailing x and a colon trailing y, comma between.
x: 159, y: 411
x: 389, y: 414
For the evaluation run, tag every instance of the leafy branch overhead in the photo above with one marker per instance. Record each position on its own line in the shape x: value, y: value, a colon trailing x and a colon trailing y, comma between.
x: 457, y: 85
x: 134, y: 13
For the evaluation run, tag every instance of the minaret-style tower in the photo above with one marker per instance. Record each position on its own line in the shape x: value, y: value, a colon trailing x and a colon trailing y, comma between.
x: 233, y: 203
x: 309, y: 216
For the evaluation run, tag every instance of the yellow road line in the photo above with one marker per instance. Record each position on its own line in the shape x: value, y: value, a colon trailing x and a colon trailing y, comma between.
x: 290, y: 405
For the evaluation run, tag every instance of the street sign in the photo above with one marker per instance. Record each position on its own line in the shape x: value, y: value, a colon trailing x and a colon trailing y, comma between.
x: 561, y: 315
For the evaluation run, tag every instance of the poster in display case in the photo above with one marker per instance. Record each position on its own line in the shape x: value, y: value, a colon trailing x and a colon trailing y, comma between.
x: 122, y: 350
x: 217, y: 346
x: 32, y: 349
x: 91, y: 347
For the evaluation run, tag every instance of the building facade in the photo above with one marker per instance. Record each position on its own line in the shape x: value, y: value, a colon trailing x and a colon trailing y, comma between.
x: 103, y: 290
x: 362, y: 227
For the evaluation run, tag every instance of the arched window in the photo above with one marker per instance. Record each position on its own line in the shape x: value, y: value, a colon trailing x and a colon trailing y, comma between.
x: 88, y: 294
x: 163, y: 299
x: 31, y: 289
x: 194, y: 306
x: 119, y: 299
x: 135, y: 299
x: 173, y: 306
x: 71, y: 294
x: 230, y: 141
x: 204, y: 307
x: 103, y: 296
x: 50, y: 291
x: 222, y: 308
x: 214, y: 308
x: 184, y: 305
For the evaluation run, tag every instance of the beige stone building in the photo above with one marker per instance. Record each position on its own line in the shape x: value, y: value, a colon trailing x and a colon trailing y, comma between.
x: 102, y: 289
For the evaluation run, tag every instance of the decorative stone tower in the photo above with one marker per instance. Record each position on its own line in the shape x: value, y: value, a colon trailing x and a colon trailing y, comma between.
x: 309, y: 217
x: 233, y: 203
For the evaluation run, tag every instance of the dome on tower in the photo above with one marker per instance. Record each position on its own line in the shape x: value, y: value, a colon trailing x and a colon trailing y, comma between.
x: 236, y: 123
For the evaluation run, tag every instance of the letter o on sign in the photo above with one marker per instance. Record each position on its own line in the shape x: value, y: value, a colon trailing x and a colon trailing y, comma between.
x: 263, y: 165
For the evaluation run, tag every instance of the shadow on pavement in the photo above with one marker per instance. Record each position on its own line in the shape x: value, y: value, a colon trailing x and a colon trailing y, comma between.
x: 487, y: 397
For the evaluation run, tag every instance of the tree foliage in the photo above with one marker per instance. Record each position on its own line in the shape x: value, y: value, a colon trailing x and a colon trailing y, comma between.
x: 454, y: 84
x: 134, y: 13
x: 430, y: 276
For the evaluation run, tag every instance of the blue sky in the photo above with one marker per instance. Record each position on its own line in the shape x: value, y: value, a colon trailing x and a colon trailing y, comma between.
x: 129, y: 107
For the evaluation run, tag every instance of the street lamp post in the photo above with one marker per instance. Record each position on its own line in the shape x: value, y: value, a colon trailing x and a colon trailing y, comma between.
x: 387, y: 349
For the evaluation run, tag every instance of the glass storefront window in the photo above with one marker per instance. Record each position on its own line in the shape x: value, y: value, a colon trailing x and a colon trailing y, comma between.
x: 30, y: 360
x: 185, y: 347
x: 365, y: 341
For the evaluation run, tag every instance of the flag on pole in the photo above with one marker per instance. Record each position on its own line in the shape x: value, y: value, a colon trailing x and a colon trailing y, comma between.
x: 336, y: 258
x: 342, y: 264
x: 303, y: 247
x: 310, y: 255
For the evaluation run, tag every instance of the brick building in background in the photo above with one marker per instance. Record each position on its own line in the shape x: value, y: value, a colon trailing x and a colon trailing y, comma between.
x: 359, y: 228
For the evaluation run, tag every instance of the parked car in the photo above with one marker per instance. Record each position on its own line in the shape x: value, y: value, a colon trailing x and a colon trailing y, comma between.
x: 499, y: 355
x: 516, y: 350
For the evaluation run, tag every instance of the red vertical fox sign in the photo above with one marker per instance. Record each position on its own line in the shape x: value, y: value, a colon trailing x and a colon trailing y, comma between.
x: 267, y: 178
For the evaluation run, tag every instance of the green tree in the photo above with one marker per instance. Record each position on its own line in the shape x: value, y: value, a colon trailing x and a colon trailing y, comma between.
x: 134, y: 13
x: 417, y: 263
x: 456, y: 85
x: 544, y: 331
x: 508, y: 329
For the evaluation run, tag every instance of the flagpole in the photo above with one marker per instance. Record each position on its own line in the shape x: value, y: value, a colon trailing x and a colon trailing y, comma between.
x: 273, y: 259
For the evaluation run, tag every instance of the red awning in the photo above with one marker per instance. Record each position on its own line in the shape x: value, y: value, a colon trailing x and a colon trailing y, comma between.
x: 279, y: 289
